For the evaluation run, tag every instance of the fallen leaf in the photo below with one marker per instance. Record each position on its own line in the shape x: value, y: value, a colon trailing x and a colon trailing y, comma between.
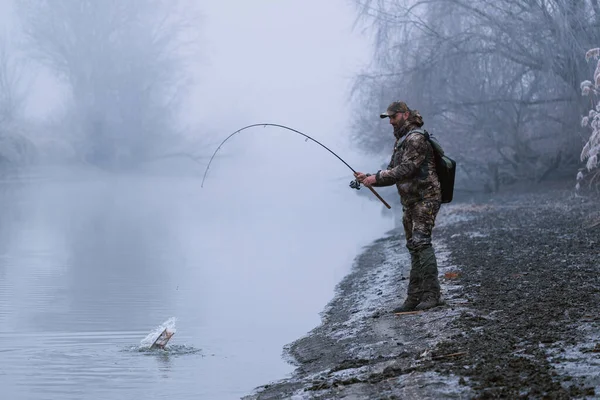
x: 451, y: 275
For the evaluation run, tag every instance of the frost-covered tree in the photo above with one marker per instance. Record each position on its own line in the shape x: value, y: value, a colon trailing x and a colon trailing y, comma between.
x: 124, y: 64
x: 591, y: 150
x: 496, y: 80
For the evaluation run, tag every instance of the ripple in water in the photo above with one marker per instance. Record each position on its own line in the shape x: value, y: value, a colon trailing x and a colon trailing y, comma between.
x: 175, y: 350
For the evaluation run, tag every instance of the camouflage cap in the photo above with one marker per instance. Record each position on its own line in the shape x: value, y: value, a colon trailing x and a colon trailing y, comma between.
x: 394, y: 108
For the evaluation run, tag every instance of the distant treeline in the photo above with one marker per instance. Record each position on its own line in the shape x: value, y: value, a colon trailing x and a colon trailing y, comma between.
x: 497, y: 81
x: 122, y: 65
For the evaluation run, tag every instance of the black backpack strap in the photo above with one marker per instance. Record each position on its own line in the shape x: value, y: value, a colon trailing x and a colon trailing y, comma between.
x: 405, y: 137
x: 437, y: 148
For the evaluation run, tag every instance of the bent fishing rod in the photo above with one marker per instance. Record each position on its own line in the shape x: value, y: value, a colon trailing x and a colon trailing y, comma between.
x: 354, y: 184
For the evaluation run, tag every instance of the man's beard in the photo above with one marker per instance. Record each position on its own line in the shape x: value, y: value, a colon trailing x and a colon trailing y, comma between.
x: 399, y: 129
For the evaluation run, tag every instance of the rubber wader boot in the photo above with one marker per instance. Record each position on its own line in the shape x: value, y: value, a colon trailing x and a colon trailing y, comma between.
x: 431, y: 285
x: 414, y: 285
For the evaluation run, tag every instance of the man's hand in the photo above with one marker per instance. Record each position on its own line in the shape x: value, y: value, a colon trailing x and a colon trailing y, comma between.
x: 360, y: 176
x: 364, y: 179
x: 369, y: 180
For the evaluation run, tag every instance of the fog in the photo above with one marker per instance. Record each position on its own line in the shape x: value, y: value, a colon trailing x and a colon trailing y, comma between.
x: 106, y: 231
x: 110, y: 111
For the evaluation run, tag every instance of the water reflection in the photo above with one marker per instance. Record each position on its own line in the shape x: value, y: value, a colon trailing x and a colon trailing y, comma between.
x: 164, y: 364
x: 118, y: 248
x: 97, y: 252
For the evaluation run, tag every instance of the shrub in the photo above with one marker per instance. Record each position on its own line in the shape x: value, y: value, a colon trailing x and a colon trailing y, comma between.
x: 592, y: 147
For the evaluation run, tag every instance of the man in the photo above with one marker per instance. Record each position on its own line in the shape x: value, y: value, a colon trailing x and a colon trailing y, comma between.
x: 412, y: 169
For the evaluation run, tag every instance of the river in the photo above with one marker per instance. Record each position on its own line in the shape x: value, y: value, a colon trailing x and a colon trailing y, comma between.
x: 91, y: 263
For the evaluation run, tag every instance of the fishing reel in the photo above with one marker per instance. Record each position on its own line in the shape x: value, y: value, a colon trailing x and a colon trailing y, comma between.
x: 355, y: 184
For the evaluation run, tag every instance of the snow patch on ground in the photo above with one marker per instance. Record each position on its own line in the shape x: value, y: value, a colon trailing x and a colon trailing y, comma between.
x: 376, y: 291
x: 579, y: 361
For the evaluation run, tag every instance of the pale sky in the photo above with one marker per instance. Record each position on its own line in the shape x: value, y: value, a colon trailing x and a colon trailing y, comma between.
x: 288, y: 62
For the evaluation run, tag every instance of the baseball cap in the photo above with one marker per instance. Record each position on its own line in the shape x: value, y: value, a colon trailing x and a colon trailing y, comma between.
x: 394, y: 108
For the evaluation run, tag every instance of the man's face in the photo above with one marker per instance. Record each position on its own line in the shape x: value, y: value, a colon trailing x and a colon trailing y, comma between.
x: 397, y: 120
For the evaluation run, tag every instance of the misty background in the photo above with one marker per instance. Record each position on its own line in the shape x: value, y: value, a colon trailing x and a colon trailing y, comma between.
x: 110, y: 111
x: 123, y: 86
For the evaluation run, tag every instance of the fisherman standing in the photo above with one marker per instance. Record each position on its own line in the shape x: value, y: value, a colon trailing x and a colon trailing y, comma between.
x: 412, y: 169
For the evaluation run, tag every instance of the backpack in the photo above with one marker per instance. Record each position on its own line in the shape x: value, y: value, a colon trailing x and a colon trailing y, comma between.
x: 444, y: 166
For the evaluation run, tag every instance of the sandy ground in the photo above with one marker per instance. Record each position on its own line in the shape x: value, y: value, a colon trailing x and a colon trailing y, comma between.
x: 520, y: 273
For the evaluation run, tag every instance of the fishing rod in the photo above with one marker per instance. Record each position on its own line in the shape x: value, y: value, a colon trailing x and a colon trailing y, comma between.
x: 354, y: 184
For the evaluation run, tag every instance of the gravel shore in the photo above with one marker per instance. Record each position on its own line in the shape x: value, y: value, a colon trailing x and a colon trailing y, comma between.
x: 520, y: 273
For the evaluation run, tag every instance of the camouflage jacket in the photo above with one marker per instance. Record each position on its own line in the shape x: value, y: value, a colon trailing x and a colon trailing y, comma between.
x: 412, y: 169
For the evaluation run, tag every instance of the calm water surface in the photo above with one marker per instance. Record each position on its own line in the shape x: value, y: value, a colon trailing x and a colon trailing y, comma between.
x: 89, y: 265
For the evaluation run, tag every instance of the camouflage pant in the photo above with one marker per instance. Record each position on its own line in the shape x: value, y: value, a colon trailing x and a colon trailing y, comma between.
x: 418, y: 220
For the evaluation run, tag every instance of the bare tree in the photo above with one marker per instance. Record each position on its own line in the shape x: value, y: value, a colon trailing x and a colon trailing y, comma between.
x: 15, y: 147
x: 497, y: 80
x: 125, y: 64
x: 12, y: 93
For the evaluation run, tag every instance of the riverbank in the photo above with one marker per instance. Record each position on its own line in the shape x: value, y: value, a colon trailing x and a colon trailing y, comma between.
x: 521, y: 276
